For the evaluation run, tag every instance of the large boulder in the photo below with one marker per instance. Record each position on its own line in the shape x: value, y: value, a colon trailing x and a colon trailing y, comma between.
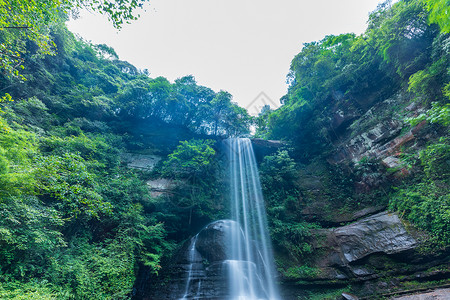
x: 203, y: 259
x: 380, y: 233
x: 212, y: 240
x: 345, y: 251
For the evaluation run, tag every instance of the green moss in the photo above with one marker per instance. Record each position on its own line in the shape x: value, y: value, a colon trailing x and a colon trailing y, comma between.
x: 327, y: 294
x: 301, y: 272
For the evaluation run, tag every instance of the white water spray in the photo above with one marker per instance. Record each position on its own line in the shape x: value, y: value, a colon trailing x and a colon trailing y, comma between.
x: 192, y: 290
x: 251, y: 264
x: 246, y: 259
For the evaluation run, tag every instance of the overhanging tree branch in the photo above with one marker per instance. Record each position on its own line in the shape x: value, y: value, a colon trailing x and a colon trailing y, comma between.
x: 16, y: 27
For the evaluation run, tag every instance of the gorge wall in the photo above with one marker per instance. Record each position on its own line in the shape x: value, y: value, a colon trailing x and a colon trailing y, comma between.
x: 361, y: 243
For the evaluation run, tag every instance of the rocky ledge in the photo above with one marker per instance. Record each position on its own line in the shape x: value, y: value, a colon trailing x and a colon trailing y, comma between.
x: 203, y: 258
x: 375, y: 254
x: 262, y: 147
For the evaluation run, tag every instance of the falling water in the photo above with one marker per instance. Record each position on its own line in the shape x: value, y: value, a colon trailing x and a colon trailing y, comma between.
x: 251, y: 265
x: 193, y: 283
x: 244, y: 270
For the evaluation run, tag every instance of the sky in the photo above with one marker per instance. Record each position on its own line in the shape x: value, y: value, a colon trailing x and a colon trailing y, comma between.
x: 244, y: 47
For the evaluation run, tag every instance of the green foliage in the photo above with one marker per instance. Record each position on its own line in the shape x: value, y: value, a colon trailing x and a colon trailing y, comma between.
x: 29, y: 235
x: 66, y: 181
x: 426, y: 203
x: 346, y: 75
x: 289, y: 233
x: 33, y: 290
x: 428, y: 82
x: 435, y: 160
x: 438, y: 114
x: 278, y: 175
x: 118, y: 12
x: 17, y: 148
x: 293, y: 238
x: 261, y: 122
x: 96, y: 271
x: 191, y: 158
x: 97, y: 148
x: 199, y: 193
x: 183, y: 103
x: 7, y: 97
x: 301, y: 272
x: 439, y: 13
x: 22, y: 21
x: 228, y: 118
x: 70, y: 215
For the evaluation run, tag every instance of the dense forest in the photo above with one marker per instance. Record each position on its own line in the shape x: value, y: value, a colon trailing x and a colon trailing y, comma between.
x: 364, y: 127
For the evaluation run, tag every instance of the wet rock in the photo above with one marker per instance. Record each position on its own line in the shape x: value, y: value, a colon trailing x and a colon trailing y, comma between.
x: 348, y: 296
x: 207, y: 266
x: 318, y: 212
x: 359, y: 271
x: 366, y: 212
x: 383, y: 232
x: 346, y: 249
x: 212, y: 240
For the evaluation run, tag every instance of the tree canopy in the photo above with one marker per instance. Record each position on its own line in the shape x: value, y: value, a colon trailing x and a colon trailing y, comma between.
x: 29, y: 21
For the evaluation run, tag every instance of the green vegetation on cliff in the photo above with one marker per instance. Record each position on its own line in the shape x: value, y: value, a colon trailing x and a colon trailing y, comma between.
x: 366, y: 119
x: 336, y: 80
x: 77, y: 223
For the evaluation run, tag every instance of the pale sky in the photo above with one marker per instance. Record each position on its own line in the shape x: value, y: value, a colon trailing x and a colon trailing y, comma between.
x: 241, y: 46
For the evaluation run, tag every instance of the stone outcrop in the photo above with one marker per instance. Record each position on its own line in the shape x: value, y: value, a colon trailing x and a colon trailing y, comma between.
x: 439, y: 294
x: 140, y: 161
x: 263, y: 148
x: 379, y: 142
x: 345, y: 250
x: 316, y: 212
x: 373, y: 254
x: 377, y: 134
x: 160, y: 186
x: 212, y: 241
x: 381, y: 233
x: 207, y: 266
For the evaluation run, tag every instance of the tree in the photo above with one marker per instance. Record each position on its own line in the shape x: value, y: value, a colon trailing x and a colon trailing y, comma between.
x: 220, y: 106
x: 261, y: 121
x: 22, y: 21
x: 25, y: 21
x: 439, y: 13
x: 191, y: 158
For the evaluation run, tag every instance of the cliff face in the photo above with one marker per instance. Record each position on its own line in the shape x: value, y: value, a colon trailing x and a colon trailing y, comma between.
x: 375, y: 255
x: 197, y: 271
x: 348, y: 190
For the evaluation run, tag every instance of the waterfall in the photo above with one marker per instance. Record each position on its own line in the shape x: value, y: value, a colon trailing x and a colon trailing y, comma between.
x: 238, y: 254
x: 194, y: 273
x: 251, y: 267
